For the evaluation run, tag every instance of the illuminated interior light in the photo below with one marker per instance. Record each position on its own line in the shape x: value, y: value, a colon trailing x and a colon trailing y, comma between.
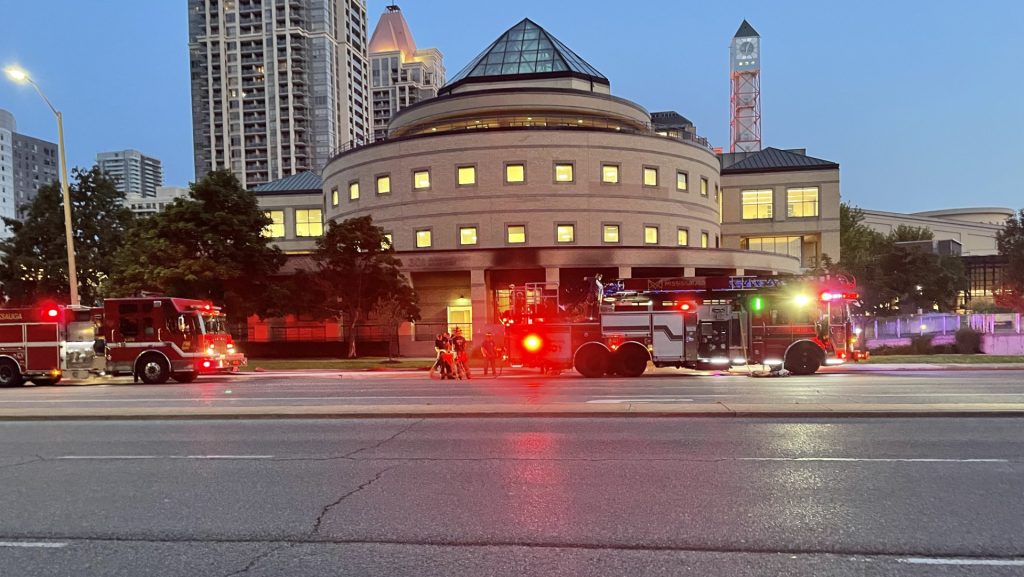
x: 719, y: 361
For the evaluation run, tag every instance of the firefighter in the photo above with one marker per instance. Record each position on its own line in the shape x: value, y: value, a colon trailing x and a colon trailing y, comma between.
x: 446, y: 358
x: 461, y: 356
x: 490, y: 353
x: 440, y: 345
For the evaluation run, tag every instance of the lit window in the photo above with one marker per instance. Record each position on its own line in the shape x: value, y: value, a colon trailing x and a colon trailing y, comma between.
x: 515, y: 173
x: 703, y: 186
x: 276, y: 227
x: 423, y: 239
x: 683, y: 237
x: 650, y: 235
x: 703, y: 240
x: 565, y: 233
x: 756, y: 204
x: 611, y: 233
x: 650, y: 176
x: 309, y: 222
x: 563, y: 173
x: 421, y: 179
x: 334, y: 196
x: 801, y: 202
x: 353, y: 191
x: 467, y: 175
x: 467, y: 235
x: 610, y: 173
x: 388, y: 242
x: 787, y: 245
x: 682, y: 181
x: 516, y: 234
x: 384, y: 184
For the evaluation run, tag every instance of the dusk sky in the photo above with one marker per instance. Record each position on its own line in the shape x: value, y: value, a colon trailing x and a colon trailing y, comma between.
x: 919, y: 102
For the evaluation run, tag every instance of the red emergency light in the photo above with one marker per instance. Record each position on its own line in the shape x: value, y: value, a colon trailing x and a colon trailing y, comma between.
x: 52, y: 313
x: 831, y: 296
x: 533, y: 343
x: 688, y: 307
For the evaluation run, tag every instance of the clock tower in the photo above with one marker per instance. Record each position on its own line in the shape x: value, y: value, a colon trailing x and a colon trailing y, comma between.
x: 745, y: 96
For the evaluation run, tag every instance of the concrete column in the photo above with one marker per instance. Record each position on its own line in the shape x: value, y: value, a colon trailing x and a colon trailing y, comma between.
x: 551, y: 274
x: 478, y: 295
x: 625, y: 271
x: 741, y: 272
x: 689, y: 271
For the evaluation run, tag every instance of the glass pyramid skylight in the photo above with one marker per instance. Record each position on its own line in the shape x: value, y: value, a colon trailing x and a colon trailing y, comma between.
x: 527, y: 49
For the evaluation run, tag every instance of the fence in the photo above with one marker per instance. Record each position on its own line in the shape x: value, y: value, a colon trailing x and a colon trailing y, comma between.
x: 873, y: 328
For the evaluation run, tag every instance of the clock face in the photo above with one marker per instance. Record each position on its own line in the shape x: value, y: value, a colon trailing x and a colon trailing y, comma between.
x: 747, y: 48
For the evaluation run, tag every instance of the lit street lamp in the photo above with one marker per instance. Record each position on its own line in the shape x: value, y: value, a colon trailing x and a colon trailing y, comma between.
x: 20, y: 76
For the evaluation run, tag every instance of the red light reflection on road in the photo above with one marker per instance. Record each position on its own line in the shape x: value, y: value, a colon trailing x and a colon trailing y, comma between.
x: 537, y: 484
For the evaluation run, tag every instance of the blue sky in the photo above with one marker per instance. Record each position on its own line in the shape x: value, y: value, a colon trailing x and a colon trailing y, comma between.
x: 919, y: 101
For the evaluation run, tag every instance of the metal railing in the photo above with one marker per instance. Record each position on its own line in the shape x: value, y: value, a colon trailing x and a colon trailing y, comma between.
x: 906, y: 326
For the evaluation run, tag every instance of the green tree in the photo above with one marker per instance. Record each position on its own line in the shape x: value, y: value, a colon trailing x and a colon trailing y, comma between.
x: 1010, y: 241
x: 34, y: 258
x: 391, y: 311
x: 858, y: 243
x: 209, y: 245
x: 356, y: 269
x: 906, y: 233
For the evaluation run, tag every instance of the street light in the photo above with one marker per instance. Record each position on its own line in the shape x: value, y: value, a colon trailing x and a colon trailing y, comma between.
x: 21, y: 77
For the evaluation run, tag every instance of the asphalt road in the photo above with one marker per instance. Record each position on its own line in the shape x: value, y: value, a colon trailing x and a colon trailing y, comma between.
x: 318, y: 388
x: 532, y: 497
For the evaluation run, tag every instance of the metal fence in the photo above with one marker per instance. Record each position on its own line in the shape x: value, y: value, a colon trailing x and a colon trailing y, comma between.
x: 937, y: 324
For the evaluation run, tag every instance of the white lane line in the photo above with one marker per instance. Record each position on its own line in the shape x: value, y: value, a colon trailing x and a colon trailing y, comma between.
x: 963, y: 562
x: 32, y: 545
x: 645, y: 400
x: 233, y: 398
x: 137, y: 457
x: 870, y: 460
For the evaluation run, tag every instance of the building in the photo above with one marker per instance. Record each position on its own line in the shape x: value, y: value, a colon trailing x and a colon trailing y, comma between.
x: 401, y: 74
x: 150, y: 205
x: 26, y: 163
x: 526, y: 169
x: 278, y: 86
x: 295, y: 205
x: 781, y: 202
x: 135, y: 173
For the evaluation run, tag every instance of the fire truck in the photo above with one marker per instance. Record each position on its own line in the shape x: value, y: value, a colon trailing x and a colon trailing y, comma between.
x: 618, y: 328
x: 153, y: 339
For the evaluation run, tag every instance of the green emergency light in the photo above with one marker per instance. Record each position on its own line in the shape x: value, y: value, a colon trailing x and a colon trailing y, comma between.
x: 756, y: 304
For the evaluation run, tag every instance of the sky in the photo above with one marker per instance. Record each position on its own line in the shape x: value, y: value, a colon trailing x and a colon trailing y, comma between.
x: 919, y: 101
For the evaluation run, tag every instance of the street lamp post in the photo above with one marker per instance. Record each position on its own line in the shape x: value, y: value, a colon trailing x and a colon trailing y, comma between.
x: 18, y: 75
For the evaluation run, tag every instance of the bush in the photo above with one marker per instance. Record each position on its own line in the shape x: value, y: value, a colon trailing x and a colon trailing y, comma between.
x: 922, y: 345
x: 891, y: 350
x: 947, y: 349
x: 968, y: 341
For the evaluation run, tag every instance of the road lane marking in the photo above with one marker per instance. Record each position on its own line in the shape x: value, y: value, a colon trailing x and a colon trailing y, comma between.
x: 870, y: 460
x: 32, y: 545
x: 138, y: 457
x: 937, y: 561
x: 234, y: 398
x: 644, y: 400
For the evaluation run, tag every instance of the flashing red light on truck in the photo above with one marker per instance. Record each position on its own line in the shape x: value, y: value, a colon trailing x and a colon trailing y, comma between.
x: 533, y: 343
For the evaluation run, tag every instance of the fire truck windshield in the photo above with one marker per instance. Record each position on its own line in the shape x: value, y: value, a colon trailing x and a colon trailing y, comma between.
x: 214, y: 324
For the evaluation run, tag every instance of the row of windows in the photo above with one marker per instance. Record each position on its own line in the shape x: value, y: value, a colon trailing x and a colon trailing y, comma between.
x: 564, y: 234
x: 308, y: 223
x: 800, y: 202
x: 515, y: 173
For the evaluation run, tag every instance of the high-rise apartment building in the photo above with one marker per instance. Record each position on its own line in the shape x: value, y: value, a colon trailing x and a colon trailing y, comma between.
x: 278, y: 86
x: 26, y: 163
x: 134, y: 172
x: 401, y: 75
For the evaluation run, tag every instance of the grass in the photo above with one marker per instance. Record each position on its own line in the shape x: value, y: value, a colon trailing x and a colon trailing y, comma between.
x: 367, y: 363
x: 946, y: 359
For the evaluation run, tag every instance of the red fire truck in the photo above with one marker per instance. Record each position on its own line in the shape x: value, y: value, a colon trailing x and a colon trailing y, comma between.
x: 153, y: 339
x: 799, y: 323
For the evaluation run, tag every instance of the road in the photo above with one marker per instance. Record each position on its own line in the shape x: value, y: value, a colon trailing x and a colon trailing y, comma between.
x: 524, y: 497
x: 1001, y: 388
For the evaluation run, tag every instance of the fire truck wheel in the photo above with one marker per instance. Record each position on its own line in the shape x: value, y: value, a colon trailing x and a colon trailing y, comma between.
x: 153, y: 369
x: 10, y: 374
x: 185, y: 377
x: 803, y: 359
x: 630, y: 360
x: 591, y: 360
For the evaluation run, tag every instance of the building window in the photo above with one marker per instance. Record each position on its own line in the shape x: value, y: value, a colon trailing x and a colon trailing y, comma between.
x: 334, y: 196
x: 683, y: 237
x: 703, y: 186
x: 703, y: 240
x: 565, y: 233
x: 353, y: 190
x: 610, y: 233
x: 610, y: 173
x: 718, y: 192
x: 467, y: 235
x: 421, y: 180
x: 650, y: 176
x: 276, y: 227
x: 564, y: 172
x: 650, y: 235
x: 309, y: 222
x: 516, y: 234
x: 801, y: 202
x: 682, y: 181
x: 423, y: 238
x: 515, y: 173
x: 388, y: 242
x: 756, y: 204
x: 384, y: 184
x: 466, y: 175
x: 787, y: 245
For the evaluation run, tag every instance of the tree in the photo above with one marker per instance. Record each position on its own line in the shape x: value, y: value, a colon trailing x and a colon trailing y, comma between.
x: 357, y: 268
x: 391, y: 311
x: 34, y: 258
x: 209, y: 245
x: 1010, y: 242
x: 858, y: 243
